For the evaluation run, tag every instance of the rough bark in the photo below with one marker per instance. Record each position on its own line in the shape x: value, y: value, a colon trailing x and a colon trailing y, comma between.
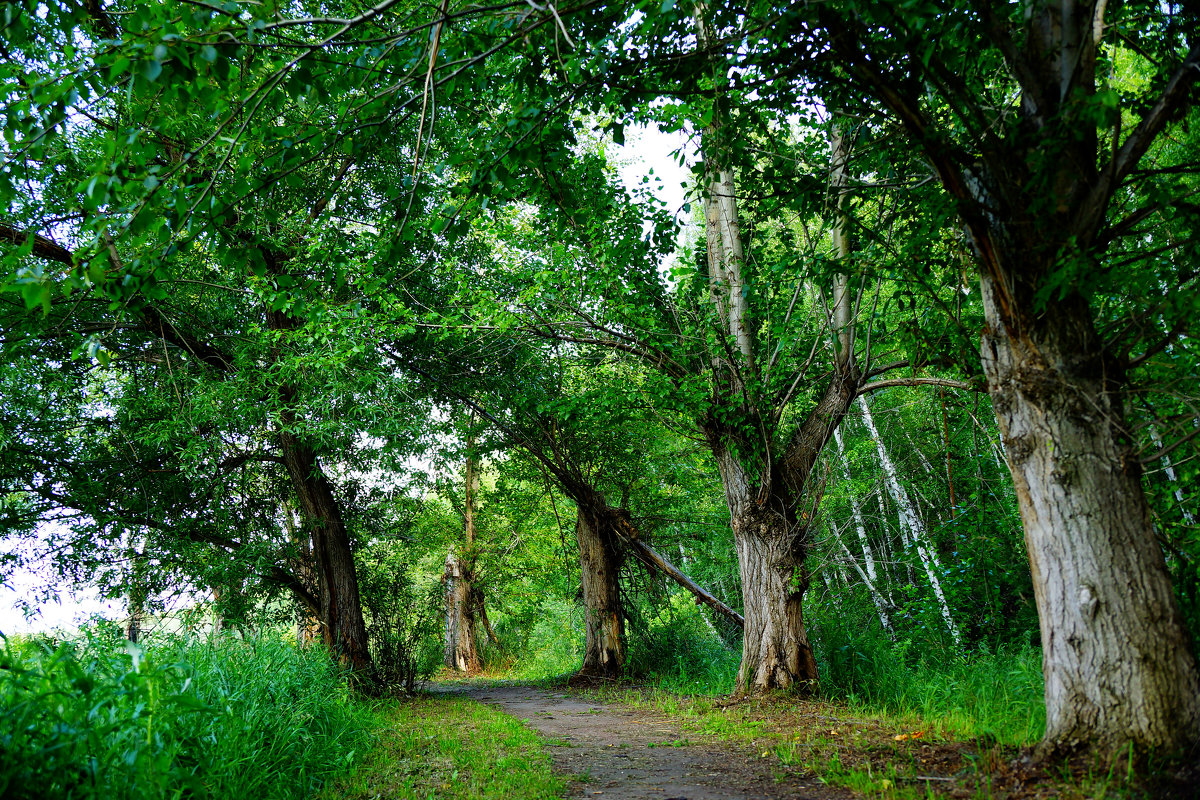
x: 770, y: 548
x: 462, y: 600
x: 599, y: 561
x: 343, y: 629
x: 461, y: 650
x: 1115, y: 655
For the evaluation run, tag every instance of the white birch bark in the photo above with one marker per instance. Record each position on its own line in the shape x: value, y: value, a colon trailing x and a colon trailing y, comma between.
x: 1169, y: 469
x: 871, y: 578
x: 911, y: 524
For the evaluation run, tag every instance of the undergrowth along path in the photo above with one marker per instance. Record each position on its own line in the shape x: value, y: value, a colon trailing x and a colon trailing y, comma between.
x: 619, y: 753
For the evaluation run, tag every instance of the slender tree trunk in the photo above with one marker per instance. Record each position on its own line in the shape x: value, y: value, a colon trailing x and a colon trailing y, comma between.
x: 137, y: 597
x: 481, y: 611
x: 912, y: 524
x: 1115, y: 655
x: 1169, y: 469
x: 599, y: 562
x: 872, y: 576
x: 133, y: 627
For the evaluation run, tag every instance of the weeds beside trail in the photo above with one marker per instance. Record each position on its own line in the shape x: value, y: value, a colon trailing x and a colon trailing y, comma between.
x: 450, y: 747
x: 231, y: 718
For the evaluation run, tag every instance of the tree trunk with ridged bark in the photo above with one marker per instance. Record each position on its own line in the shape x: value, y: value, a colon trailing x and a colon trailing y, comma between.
x: 1117, y: 662
x: 461, y: 648
x: 600, y: 564
x: 770, y: 547
x: 343, y: 629
x: 462, y: 596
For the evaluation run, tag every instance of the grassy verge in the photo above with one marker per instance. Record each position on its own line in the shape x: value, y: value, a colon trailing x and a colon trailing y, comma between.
x: 231, y: 718
x: 449, y: 747
x: 890, y: 755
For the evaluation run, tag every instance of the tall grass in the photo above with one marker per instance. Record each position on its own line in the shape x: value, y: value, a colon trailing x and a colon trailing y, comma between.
x: 979, y: 693
x: 678, y: 650
x: 230, y: 718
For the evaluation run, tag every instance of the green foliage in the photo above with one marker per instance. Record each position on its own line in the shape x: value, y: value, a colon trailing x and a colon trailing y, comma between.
x: 450, y: 747
x: 403, y: 621
x: 227, y: 718
x: 978, y: 693
x: 550, y: 647
x: 677, y: 649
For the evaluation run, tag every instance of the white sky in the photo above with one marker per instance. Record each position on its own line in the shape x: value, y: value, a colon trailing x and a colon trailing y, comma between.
x: 650, y: 148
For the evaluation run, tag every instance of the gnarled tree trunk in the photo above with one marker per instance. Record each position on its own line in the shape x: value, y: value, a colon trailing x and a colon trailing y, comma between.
x: 343, y: 629
x: 1115, y: 654
x: 770, y: 549
x: 600, y: 564
x: 461, y: 650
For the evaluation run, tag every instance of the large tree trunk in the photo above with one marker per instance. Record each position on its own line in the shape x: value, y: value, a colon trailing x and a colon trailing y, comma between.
x: 1116, y: 657
x: 775, y: 649
x: 343, y: 628
x: 599, y: 563
x: 462, y: 647
x: 461, y: 650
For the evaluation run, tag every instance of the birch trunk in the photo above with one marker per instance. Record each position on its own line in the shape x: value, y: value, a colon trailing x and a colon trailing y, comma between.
x: 1115, y: 655
x: 1169, y: 469
x: 872, y: 576
x: 912, y: 524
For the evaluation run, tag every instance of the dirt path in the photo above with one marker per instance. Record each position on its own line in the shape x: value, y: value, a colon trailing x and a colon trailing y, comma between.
x: 634, y: 755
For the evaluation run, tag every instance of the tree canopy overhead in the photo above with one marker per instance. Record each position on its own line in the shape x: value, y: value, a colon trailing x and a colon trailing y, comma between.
x: 256, y: 254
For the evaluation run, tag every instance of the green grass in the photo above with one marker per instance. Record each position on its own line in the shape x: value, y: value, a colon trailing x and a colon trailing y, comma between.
x: 992, y: 695
x: 447, y: 746
x: 97, y: 718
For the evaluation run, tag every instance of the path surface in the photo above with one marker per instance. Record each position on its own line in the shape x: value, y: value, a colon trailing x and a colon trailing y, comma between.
x: 631, y: 754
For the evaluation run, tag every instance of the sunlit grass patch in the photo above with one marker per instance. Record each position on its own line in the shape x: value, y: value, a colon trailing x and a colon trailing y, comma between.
x: 447, y: 746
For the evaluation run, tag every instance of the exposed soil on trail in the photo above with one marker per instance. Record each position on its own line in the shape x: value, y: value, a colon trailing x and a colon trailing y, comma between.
x: 634, y: 754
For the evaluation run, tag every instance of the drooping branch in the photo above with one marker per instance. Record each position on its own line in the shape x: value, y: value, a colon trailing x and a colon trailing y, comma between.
x: 652, y: 558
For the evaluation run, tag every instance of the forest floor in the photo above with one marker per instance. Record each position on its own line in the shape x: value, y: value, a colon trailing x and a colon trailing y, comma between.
x: 629, y: 743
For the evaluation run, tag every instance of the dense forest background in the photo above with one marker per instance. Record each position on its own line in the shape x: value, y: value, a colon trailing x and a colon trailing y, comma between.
x: 341, y: 317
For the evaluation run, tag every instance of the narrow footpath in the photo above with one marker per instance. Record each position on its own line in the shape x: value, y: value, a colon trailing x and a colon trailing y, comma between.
x: 625, y: 754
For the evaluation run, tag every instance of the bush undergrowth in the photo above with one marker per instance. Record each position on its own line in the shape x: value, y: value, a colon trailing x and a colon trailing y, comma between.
x: 977, y: 693
x: 229, y: 718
